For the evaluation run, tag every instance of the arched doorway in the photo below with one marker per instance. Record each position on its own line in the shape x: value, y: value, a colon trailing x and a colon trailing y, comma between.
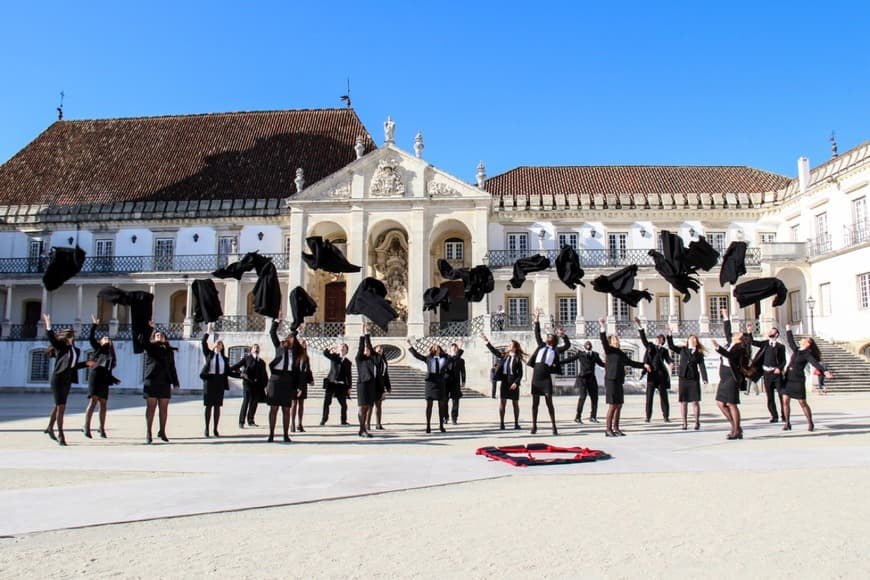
x: 389, y: 259
x: 335, y: 299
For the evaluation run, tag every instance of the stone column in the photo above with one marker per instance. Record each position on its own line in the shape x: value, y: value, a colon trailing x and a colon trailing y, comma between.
x: 46, y: 301
x: 736, y: 313
x: 672, y: 317
x: 187, y: 329
x: 418, y: 269
x: 704, y: 318
x: 580, y: 321
x: 541, y: 297
x: 7, y: 317
x: 641, y: 306
x: 79, y: 298
x: 768, y: 316
x: 113, y: 323
x: 479, y: 250
x: 356, y: 254
x: 297, y: 246
x: 611, y: 319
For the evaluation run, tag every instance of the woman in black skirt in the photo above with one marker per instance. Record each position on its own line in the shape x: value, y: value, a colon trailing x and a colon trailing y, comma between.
x: 382, y: 387
x: 215, y: 380
x: 366, y: 379
x: 795, y: 376
x: 509, y: 372
x: 100, y: 377
x: 691, y: 372
x: 732, y: 375
x: 282, y: 388
x: 437, y: 367
x: 304, y: 378
x: 615, y: 361
x: 160, y: 378
x: 67, y: 362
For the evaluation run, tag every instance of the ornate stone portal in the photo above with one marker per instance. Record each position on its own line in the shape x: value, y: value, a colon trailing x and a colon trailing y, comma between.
x: 390, y: 261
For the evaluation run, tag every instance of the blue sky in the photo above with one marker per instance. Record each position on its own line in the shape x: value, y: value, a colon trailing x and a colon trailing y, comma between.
x: 511, y: 83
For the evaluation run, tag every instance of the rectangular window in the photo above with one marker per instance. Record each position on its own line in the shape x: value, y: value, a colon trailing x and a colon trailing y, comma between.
x: 768, y: 237
x: 227, y: 247
x: 567, y: 310
x: 716, y: 303
x: 569, y: 239
x: 666, y: 307
x: 795, y: 307
x: 164, y: 253
x: 795, y: 232
x: 104, y: 251
x: 454, y: 250
x: 37, y: 259
x: 617, y: 245
x: 39, y: 366
x: 518, y: 312
x: 621, y: 310
x: 517, y: 245
x: 823, y: 238
x: 717, y: 240
x: 825, y: 299
x: 859, y: 211
x: 864, y: 290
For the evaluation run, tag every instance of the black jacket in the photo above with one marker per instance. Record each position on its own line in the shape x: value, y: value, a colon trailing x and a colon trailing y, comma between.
x: 796, y: 371
x: 691, y: 364
x: 587, y: 361
x: 556, y: 367
x: 159, y: 363
x: 736, y: 355
x: 443, y: 365
x: 515, y: 372
x: 209, y: 355
x: 252, y: 371
x: 456, y: 372
x: 615, y: 361
x: 277, y: 363
x: 763, y: 347
x: 339, y: 370
x: 63, y: 353
x: 366, y: 370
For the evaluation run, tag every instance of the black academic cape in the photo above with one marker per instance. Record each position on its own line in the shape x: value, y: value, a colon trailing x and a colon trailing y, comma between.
x: 65, y: 263
x: 301, y: 305
x: 370, y: 300
x: 477, y: 281
x: 568, y: 267
x: 267, y: 290
x: 325, y: 256
x: 523, y: 266
x: 237, y: 269
x: 621, y: 285
x: 733, y: 263
x: 141, y: 306
x: 701, y: 255
x: 671, y: 271
x: 435, y: 297
x: 753, y: 291
x: 206, y: 301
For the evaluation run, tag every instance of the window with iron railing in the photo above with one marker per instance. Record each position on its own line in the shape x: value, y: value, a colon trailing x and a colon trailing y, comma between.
x: 40, y: 366
x: 454, y: 249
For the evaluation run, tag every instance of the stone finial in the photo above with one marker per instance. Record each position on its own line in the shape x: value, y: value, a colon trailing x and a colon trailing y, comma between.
x: 481, y: 174
x: 360, y: 146
x: 418, y: 144
x: 300, y: 180
x: 833, y: 140
x: 389, y: 131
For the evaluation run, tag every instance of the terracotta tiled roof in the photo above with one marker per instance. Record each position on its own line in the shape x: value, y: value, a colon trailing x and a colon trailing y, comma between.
x: 217, y: 156
x: 633, y: 180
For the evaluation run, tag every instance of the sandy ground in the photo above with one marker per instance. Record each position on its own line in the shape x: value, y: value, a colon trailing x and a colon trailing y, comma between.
x: 535, y: 523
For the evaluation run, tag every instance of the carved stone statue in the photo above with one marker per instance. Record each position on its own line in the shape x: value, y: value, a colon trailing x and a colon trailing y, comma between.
x: 389, y: 131
x: 386, y: 182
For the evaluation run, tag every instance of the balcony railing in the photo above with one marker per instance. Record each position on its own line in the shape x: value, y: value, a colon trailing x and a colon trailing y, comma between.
x: 856, y: 233
x: 97, y: 265
x: 820, y: 245
x: 595, y: 258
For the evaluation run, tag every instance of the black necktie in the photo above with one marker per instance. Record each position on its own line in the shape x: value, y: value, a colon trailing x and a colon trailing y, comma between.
x: 286, y: 360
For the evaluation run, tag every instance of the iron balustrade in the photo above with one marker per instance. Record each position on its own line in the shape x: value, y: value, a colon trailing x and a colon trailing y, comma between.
x: 394, y: 328
x: 820, y: 245
x: 592, y: 258
x: 329, y: 329
x: 135, y: 264
x: 856, y: 233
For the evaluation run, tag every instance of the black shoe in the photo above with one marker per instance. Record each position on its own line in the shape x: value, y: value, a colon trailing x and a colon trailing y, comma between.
x: 667, y: 420
x: 148, y: 439
x: 593, y: 419
x: 428, y: 429
x: 646, y: 420
x: 555, y: 432
x: 442, y: 429
x: 322, y: 423
x: 216, y: 434
x: 454, y: 421
x: 369, y: 435
x: 620, y: 432
x: 271, y: 438
x: 103, y: 434
x: 501, y: 426
x: 301, y: 429
x: 206, y: 432
x: 773, y: 419
x: 610, y: 434
x: 534, y: 430
x: 697, y: 424
x: 50, y: 433
x: 163, y: 436
x: 516, y: 426
x: 787, y: 427
x: 241, y: 425
x: 287, y: 439
x: 61, y: 440
x: 87, y: 433
x: 345, y: 423
x: 380, y: 427
x: 252, y: 424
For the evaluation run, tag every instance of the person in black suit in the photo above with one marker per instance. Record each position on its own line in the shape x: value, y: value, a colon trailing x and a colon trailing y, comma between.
x: 545, y: 363
x: 807, y: 353
x: 733, y: 367
x: 455, y: 379
x: 67, y: 362
x: 100, y: 378
x: 770, y: 360
x: 586, y: 382
x: 657, y: 363
x: 366, y: 376
x: 338, y: 382
x: 215, y: 375
x: 160, y: 378
x: 282, y: 387
x: 382, y: 386
x: 691, y: 371
x: 615, y: 361
x: 305, y: 378
x: 437, y: 367
x: 493, y: 379
x: 252, y: 369
x: 509, y: 371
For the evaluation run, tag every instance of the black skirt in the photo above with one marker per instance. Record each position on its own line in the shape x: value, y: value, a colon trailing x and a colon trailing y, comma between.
x: 99, y: 381
x: 542, y: 381
x: 434, y: 388
x: 795, y: 390
x: 156, y: 391
x: 213, y: 387
x: 506, y: 392
x: 690, y: 391
x: 614, y: 392
x: 60, y: 388
x: 304, y: 388
x: 729, y: 390
x: 365, y: 393
x: 281, y: 390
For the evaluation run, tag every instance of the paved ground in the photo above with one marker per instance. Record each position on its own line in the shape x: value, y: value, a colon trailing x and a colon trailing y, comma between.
x: 45, y: 487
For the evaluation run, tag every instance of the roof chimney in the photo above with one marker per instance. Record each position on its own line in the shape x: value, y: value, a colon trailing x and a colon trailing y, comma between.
x: 803, y: 173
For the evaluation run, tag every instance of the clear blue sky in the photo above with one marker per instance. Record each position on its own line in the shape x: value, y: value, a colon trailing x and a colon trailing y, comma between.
x: 512, y: 83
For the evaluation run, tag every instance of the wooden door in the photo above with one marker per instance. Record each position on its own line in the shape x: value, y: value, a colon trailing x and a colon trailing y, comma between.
x: 458, y: 311
x: 32, y: 314
x: 334, y: 307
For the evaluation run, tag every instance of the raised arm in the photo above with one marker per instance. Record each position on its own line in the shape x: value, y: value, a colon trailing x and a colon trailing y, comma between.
x: 92, y: 335
x: 672, y: 346
x: 273, y: 333
x: 750, y: 329
x: 789, y: 336
x: 538, y: 338
x: 494, y: 350
x: 726, y: 324
x: 333, y: 356
x: 633, y: 363
x: 641, y: 332
x: 360, y: 353
x: 603, y: 336
x: 416, y: 354
x: 567, y: 341
x: 206, y: 351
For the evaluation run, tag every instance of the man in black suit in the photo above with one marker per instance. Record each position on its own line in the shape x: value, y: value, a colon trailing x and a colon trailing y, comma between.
x: 338, y: 382
x: 586, y: 382
x: 254, y: 379
x: 545, y: 363
x: 770, y: 360
x: 657, y: 363
x: 455, y: 379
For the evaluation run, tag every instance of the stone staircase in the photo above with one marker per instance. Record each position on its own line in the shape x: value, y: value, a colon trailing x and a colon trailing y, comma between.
x: 851, y: 372
x: 408, y: 382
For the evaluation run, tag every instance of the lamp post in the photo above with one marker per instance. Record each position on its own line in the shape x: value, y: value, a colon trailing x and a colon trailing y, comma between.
x: 811, y: 304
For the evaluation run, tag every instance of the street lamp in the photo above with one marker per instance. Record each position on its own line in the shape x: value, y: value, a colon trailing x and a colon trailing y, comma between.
x: 811, y: 304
